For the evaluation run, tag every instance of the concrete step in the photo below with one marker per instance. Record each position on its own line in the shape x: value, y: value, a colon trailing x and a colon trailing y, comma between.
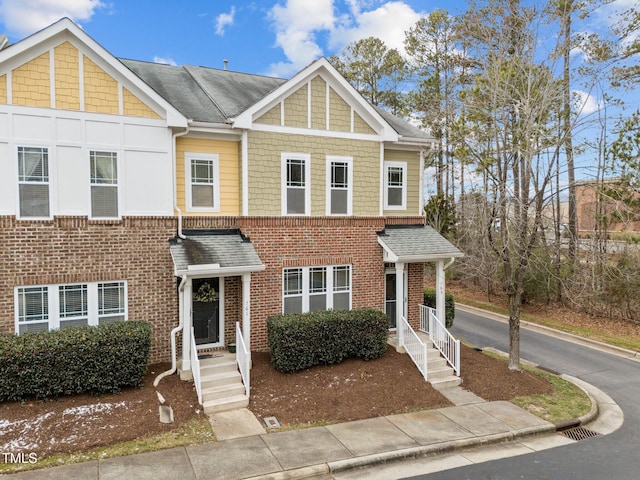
x: 437, y: 373
x: 224, y: 404
x: 217, y: 379
x: 222, y: 391
x: 444, y: 382
x: 212, y: 366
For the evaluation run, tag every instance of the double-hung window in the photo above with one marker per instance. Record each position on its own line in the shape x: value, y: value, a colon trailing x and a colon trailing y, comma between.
x: 47, y: 307
x: 296, y: 180
x: 395, y: 191
x: 203, y: 189
x: 339, y: 185
x: 33, y: 181
x: 309, y: 289
x: 104, y: 184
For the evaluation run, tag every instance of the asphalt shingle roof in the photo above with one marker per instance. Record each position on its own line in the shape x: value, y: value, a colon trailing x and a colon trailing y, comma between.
x: 227, y: 248
x: 415, y: 242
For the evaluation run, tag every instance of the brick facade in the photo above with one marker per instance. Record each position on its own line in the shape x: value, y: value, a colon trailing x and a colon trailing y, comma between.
x: 75, y: 249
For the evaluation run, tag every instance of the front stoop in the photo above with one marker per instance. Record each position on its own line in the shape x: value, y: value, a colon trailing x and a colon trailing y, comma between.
x: 222, y: 387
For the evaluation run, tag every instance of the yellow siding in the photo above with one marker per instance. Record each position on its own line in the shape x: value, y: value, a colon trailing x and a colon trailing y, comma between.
x: 296, y: 108
x: 67, y: 76
x: 3, y: 89
x: 360, y: 126
x: 31, y: 83
x: 318, y: 104
x: 413, y: 180
x: 339, y: 113
x: 229, y: 172
x: 265, y: 167
x: 100, y: 90
x: 134, y: 107
x: 272, y: 117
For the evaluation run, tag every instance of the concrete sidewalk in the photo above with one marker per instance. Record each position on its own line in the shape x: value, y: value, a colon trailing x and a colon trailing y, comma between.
x: 323, y: 451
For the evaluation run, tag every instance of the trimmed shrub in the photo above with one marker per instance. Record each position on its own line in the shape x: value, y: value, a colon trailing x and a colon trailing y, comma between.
x: 449, y: 305
x: 74, y: 360
x: 299, y: 341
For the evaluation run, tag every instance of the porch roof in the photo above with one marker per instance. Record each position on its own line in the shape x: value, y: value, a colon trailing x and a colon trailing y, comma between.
x: 414, y: 244
x: 210, y: 253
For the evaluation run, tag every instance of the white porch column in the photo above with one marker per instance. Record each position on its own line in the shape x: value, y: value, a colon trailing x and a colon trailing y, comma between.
x: 440, y: 288
x: 399, y: 300
x: 185, y: 305
x: 246, y: 309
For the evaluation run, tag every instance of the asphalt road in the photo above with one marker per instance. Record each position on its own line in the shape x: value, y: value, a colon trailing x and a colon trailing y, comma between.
x: 615, y: 456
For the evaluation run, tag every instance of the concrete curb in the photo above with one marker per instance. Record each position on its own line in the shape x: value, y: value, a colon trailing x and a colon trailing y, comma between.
x: 619, y: 351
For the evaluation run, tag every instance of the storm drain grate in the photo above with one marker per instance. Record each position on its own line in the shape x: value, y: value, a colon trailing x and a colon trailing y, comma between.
x: 579, y: 433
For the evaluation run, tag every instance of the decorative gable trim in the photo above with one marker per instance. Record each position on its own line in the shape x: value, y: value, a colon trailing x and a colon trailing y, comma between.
x: 49, y: 38
x: 337, y: 83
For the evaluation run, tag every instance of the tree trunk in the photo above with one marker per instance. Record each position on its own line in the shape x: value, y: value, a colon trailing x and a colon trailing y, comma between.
x: 515, y: 302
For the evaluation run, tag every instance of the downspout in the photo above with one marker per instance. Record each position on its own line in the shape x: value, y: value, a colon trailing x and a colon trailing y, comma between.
x: 175, y: 174
x: 183, y: 280
x: 449, y: 263
x: 174, y: 332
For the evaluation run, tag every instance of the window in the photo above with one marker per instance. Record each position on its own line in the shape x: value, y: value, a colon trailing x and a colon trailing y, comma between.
x: 49, y: 307
x: 296, y: 192
x: 33, y: 309
x: 203, y: 190
x: 33, y: 181
x: 395, y: 192
x: 104, y: 184
x: 308, y: 289
x: 111, y: 302
x: 73, y: 305
x: 339, y: 185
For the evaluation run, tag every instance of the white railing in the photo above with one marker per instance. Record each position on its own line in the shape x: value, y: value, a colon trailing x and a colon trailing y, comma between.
x: 243, y: 359
x: 441, y: 337
x: 415, y: 347
x: 195, y: 367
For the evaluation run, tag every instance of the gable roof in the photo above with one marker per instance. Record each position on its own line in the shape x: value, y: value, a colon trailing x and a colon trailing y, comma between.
x: 415, y: 243
x: 65, y: 29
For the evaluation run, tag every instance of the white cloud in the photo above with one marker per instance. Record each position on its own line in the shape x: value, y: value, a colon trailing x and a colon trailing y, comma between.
x: 21, y: 17
x: 224, y: 20
x: 165, y: 60
x: 296, y: 24
x: 389, y: 22
x: 584, y: 103
x: 299, y: 23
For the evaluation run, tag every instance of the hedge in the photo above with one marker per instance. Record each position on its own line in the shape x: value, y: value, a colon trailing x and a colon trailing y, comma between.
x: 449, y: 305
x: 74, y: 360
x: 299, y: 341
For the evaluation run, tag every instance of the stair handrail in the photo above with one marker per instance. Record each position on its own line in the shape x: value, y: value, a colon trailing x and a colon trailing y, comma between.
x: 195, y: 367
x: 415, y: 347
x: 243, y: 359
x: 441, y: 337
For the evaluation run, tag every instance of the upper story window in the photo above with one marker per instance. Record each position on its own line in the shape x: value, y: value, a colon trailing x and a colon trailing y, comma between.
x: 308, y: 289
x: 339, y: 185
x: 48, y: 307
x: 104, y: 184
x: 395, y: 186
x: 203, y: 182
x: 296, y: 184
x: 33, y: 181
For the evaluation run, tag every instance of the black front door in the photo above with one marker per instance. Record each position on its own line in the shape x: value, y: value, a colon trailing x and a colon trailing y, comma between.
x: 206, y: 310
x: 390, y: 298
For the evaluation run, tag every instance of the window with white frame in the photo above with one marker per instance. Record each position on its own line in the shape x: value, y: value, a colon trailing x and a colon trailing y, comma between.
x: 296, y: 184
x: 339, y: 185
x: 203, y: 177
x: 308, y: 289
x: 48, y: 307
x: 395, y: 191
x: 33, y: 181
x: 104, y: 184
